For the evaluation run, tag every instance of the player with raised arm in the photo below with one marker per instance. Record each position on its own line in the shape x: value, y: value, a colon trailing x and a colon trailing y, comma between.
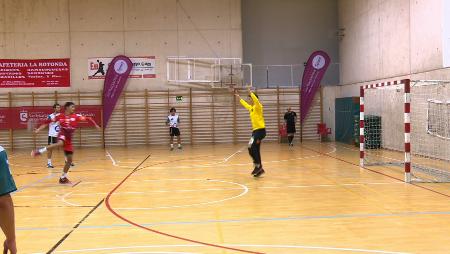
x: 68, y: 122
x: 259, y: 130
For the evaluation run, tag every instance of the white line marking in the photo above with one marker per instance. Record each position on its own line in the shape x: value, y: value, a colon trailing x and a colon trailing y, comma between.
x: 238, y: 151
x: 211, y: 189
x: 63, y: 199
x: 375, y: 153
x: 216, y: 164
x: 220, y: 161
x: 175, y: 179
x: 315, y: 247
x: 243, y: 187
x: 233, y: 245
x: 108, y: 154
x: 326, y: 185
x: 155, y: 252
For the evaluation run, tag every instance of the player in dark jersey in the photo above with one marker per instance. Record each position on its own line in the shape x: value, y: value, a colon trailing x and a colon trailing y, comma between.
x: 290, y: 119
x: 68, y: 122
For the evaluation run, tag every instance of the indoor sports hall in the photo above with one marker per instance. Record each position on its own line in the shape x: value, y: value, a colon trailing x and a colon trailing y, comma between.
x: 225, y: 126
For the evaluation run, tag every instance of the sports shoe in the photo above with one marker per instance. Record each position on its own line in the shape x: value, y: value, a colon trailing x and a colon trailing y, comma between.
x: 171, y: 148
x: 259, y: 173
x: 180, y: 147
x: 255, y: 170
x: 49, y: 165
x: 64, y: 180
x: 35, y: 153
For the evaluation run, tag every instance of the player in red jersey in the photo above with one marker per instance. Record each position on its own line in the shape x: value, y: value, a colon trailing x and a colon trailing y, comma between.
x: 69, y: 123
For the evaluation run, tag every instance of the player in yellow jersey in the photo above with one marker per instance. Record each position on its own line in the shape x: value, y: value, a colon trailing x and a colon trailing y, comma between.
x: 259, y: 130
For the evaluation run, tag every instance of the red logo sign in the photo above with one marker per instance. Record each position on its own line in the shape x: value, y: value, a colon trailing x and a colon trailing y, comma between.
x: 18, y: 118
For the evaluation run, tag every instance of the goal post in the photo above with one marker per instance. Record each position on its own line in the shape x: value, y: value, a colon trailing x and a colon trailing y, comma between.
x: 405, y: 85
x: 405, y: 124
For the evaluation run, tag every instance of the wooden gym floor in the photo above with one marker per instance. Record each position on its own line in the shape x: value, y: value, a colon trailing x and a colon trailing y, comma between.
x: 202, y: 199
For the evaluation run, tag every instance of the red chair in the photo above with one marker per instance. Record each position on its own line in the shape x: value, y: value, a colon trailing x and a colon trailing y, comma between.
x: 323, y: 131
x: 282, y: 132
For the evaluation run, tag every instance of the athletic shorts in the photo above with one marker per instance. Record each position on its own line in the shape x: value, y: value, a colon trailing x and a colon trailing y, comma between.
x: 290, y: 129
x: 259, y: 134
x: 7, y: 184
x: 68, y: 152
x: 52, y: 140
x: 67, y: 141
x: 174, y: 131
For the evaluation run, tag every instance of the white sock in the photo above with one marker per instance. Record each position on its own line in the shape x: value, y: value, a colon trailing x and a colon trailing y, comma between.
x: 43, y: 150
x: 49, y: 161
x: 171, y: 145
x: 64, y: 175
x: 179, y: 145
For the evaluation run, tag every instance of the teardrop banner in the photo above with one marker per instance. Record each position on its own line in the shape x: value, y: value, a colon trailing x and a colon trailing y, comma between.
x: 312, y: 76
x: 115, y: 81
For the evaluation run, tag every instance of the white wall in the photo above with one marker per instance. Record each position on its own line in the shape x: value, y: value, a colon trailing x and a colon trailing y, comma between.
x: 387, y: 40
x: 287, y: 32
x: 79, y: 29
x: 328, y: 109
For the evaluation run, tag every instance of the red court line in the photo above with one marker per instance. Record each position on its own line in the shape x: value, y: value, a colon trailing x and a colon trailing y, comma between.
x: 111, y: 209
x: 377, y: 172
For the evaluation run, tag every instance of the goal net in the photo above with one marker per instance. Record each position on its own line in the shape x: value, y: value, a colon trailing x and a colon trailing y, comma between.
x: 209, y: 72
x: 405, y: 125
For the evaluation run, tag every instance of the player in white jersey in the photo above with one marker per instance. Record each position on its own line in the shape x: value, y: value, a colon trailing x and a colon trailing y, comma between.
x: 53, y: 130
x: 173, y: 121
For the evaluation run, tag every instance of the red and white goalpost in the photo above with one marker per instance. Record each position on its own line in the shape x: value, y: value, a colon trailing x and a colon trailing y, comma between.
x: 404, y: 124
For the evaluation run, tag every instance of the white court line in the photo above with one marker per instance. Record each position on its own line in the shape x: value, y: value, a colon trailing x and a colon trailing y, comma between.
x: 63, y: 199
x: 229, y: 157
x: 155, y: 252
x: 108, y: 154
x: 243, y: 187
x: 326, y: 185
x: 215, y: 163
x: 245, y: 164
x: 175, y: 179
x: 220, y: 189
x: 373, y: 153
x: 236, y: 164
x: 233, y: 245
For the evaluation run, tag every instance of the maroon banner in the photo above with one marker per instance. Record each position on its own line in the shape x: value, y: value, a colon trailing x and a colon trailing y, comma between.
x: 93, y: 111
x: 312, y: 76
x: 16, y: 73
x: 21, y: 115
x: 18, y: 117
x: 115, y: 80
x: 4, y: 118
